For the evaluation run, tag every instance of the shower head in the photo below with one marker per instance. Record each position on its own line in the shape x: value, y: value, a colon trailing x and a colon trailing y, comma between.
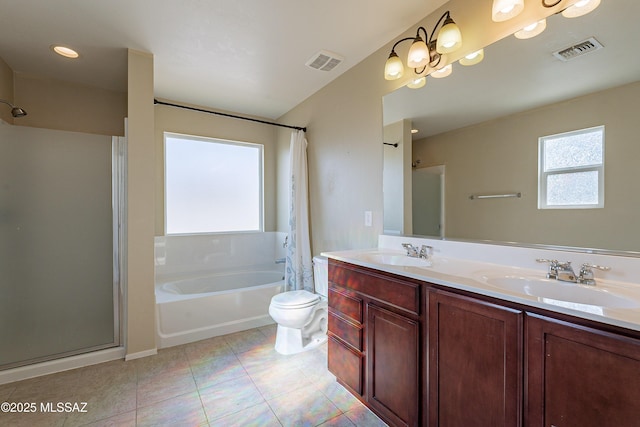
x: 18, y: 112
x: 15, y: 111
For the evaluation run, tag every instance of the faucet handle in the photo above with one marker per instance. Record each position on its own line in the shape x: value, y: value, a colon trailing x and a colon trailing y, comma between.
x: 599, y: 267
x: 426, y: 251
x: 412, y: 251
x: 553, y: 267
x: 586, y: 276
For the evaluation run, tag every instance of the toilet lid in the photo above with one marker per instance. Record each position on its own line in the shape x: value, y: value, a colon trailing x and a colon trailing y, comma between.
x: 295, y: 299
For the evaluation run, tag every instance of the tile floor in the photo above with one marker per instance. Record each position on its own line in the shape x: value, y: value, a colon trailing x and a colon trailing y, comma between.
x: 232, y: 380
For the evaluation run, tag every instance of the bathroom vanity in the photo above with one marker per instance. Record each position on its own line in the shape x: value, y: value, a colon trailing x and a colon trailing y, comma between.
x: 424, y: 347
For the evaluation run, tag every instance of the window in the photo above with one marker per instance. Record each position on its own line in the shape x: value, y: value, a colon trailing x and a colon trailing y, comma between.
x: 212, y: 185
x: 571, y: 170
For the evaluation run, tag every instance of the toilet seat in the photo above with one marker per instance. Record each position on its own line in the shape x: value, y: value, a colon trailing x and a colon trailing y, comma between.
x: 295, y: 299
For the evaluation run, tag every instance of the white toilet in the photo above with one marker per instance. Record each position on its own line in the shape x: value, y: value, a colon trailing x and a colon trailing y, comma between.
x: 301, y: 315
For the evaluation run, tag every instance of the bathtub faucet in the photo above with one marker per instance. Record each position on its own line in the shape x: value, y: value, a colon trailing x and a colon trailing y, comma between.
x: 281, y: 261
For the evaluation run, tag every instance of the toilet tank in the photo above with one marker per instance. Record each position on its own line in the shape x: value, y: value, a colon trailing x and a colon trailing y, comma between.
x: 321, y: 275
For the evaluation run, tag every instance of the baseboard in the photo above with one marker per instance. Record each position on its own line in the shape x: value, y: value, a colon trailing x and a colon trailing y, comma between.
x: 60, y: 365
x: 141, y: 354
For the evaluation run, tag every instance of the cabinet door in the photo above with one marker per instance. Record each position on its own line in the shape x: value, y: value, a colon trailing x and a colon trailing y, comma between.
x: 578, y: 376
x: 393, y: 366
x: 475, y: 362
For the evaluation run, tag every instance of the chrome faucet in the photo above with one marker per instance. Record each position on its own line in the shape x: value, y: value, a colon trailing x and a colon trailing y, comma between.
x: 564, y: 272
x: 559, y: 270
x: 413, y: 252
x: 586, y: 276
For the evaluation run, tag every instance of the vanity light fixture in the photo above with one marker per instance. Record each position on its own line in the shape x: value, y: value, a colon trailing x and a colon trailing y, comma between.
x: 423, y: 54
x: 531, y: 30
x: 65, y: 51
x: 472, y: 58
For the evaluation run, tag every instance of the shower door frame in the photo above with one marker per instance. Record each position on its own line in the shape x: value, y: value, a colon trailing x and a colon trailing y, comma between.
x: 119, y: 212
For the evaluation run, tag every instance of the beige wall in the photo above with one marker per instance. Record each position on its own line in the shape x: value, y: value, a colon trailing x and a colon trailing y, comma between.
x: 141, y: 331
x: 344, y: 121
x: 172, y: 119
x: 55, y: 104
x: 6, y: 91
x: 396, y: 174
x: 502, y: 156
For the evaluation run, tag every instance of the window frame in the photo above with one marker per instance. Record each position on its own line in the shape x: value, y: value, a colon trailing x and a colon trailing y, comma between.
x: 544, y: 174
x: 215, y: 140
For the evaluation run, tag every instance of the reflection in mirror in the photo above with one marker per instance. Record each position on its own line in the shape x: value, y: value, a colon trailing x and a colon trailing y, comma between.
x: 483, y: 124
x: 428, y: 201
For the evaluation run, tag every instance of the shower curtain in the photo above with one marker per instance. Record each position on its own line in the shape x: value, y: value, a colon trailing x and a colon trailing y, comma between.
x: 299, y: 267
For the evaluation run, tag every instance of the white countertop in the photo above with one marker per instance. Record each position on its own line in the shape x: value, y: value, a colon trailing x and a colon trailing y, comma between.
x: 474, y: 276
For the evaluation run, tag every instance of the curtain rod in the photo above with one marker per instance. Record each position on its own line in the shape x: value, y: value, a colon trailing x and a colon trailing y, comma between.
x: 155, y: 101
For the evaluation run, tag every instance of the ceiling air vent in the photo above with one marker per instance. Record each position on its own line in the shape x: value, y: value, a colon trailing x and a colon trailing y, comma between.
x: 584, y: 47
x: 324, y: 60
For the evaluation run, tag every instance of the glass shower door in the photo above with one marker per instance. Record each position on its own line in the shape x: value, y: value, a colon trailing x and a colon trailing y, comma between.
x: 58, y: 291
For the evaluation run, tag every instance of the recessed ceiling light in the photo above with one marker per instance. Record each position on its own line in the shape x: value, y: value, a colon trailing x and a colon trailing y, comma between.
x: 67, y: 52
x: 414, y: 131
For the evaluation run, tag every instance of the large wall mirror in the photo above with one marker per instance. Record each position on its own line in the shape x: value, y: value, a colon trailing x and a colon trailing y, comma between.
x: 478, y: 132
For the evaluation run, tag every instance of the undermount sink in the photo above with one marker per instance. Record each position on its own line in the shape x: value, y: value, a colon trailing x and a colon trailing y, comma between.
x: 395, y: 259
x: 558, y: 292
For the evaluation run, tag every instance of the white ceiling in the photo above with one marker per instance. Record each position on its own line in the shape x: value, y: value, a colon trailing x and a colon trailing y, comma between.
x: 245, y: 56
x: 518, y: 75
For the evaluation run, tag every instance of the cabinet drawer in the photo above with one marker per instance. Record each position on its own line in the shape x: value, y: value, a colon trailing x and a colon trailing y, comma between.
x: 392, y: 290
x: 346, y: 331
x: 348, y: 306
x: 346, y: 364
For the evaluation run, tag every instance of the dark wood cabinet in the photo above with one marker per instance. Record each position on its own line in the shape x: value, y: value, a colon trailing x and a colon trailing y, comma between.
x: 475, y: 362
x: 421, y: 354
x: 346, y: 341
x: 375, y: 336
x: 393, y: 365
x: 580, y: 376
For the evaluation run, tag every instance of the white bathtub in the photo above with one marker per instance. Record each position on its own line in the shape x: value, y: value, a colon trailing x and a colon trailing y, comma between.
x: 195, y: 308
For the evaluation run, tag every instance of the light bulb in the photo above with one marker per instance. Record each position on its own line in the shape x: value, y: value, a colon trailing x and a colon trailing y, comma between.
x: 417, y: 83
x: 393, y: 68
x: 418, y: 55
x: 472, y: 58
x: 531, y: 30
x: 580, y: 8
x: 442, y: 72
x: 449, y: 37
x: 503, y: 10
